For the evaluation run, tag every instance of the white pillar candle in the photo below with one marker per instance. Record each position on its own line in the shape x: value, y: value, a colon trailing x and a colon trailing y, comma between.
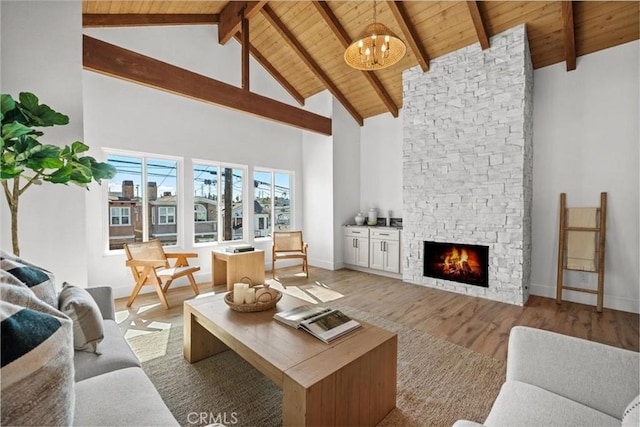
x: 238, y: 292
x: 249, y: 296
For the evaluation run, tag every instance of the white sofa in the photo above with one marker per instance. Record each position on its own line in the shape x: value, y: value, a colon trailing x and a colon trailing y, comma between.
x: 111, y: 388
x: 558, y: 380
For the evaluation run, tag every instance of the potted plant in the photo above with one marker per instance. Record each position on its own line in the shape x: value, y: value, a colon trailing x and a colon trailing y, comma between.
x: 27, y: 162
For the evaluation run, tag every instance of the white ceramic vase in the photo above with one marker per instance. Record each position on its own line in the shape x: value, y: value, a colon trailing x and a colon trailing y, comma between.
x: 373, y: 217
x: 359, y: 219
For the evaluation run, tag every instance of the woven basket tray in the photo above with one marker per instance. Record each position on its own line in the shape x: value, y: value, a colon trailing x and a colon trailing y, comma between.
x: 249, y: 308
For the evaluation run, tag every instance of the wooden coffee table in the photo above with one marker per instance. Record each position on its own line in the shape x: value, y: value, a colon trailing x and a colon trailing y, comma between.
x: 351, y: 381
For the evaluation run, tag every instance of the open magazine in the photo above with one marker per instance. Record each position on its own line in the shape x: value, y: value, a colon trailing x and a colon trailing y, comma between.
x: 326, y: 324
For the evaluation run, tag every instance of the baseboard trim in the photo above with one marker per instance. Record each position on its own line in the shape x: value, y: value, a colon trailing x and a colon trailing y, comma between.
x: 610, y: 301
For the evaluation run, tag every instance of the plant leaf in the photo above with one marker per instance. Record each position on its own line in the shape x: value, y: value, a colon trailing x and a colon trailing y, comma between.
x: 14, y: 130
x: 102, y: 170
x: 40, y: 115
x: 7, y: 103
x: 61, y: 176
x: 79, y: 147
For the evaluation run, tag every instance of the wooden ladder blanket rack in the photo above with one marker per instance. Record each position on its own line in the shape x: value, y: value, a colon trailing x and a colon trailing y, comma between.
x: 598, y: 230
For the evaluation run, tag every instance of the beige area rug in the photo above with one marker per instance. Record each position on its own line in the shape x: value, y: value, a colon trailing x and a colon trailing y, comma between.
x: 438, y: 382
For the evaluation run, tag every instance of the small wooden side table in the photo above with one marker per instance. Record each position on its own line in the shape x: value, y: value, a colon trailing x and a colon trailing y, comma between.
x: 230, y: 267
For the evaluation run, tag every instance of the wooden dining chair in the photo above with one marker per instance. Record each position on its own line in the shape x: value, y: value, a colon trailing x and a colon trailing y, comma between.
x: 150, y: 266
x: 288, y: 245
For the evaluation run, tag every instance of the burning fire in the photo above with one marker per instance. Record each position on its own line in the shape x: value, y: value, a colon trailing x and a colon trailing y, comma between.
x: 458, y: 263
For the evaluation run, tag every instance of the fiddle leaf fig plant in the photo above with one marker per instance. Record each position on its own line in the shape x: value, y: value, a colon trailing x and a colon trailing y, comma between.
x: 26, y: 161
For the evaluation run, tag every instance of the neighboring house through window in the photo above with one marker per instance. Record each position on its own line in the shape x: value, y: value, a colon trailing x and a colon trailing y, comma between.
x: 120, y: 216
x: 272, y: 201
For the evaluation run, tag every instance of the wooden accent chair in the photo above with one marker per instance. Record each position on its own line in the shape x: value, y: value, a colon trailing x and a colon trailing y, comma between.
x: 288, y: 245
x: 150, y: 266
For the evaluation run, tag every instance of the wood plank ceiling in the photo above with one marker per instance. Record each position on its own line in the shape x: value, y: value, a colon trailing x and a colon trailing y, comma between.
x: 558, y: 31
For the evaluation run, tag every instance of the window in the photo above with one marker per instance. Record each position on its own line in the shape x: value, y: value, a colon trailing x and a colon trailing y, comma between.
x: 199, y: 213
x: 120, y: 216
x: 272, y: 201
x: 218, y: 190
x: 166, y: 215
x: 129, y: 195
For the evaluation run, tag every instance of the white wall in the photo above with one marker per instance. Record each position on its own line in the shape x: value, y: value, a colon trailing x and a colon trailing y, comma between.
x: 586, y: 141
x: 42, y: 53
x: 124, y: 115
x: 381, y: 167
x: 317, y: 158
x: 346, y: 174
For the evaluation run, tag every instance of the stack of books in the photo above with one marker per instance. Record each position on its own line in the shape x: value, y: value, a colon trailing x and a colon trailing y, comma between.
x: 326, y: 324
x: 234, y: 249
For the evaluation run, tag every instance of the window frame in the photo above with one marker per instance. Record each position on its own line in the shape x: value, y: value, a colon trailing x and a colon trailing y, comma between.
x: 145, y: 206
x: 166, y: 215
x: 218, y: 192
x: 119, y: 216
x: 272, y: 221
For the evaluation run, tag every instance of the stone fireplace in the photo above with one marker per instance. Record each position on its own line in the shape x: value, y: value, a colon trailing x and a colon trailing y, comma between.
x: 467, y: 164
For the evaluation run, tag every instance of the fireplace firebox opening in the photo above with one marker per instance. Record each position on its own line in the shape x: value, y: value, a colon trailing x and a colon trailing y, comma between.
x: 462, y: 263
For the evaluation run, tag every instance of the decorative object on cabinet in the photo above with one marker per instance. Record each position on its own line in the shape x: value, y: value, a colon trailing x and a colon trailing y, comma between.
x: 359, y: 219
x: 373, y: 217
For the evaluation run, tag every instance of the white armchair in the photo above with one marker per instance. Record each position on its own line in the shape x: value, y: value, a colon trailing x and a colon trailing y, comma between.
x: 558, y: 380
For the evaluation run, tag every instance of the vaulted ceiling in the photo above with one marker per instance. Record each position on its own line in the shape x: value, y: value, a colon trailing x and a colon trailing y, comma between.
x: 301, y: 43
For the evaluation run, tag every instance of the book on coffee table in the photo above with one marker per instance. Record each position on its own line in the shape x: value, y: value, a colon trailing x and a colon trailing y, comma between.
x: 326, y: 324
x: 235, y: 249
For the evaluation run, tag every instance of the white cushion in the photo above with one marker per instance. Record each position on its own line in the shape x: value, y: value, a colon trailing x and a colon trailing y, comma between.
x: 631, y: 415
x: 88, y: 328
x: 514, y: 408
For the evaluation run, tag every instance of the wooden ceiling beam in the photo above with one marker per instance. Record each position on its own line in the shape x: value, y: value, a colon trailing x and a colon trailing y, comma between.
x: 569, y: 35
x: 231, y: 17
x: 410, y: 33
x: 286, y: 34
x: 115, y: 61
x: 478, y: 23
x: 332, y: 21
x: 273, y: 72
x: 245, y: 53
x: 99, y: 20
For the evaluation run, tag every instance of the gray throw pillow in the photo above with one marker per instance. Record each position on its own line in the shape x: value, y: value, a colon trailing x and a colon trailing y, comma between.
x: 88, y: 326
x: 39, y: 280
x: 36, y: 359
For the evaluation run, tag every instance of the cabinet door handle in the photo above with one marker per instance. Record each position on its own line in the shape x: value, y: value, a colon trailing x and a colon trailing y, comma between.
x: 382, y: 246
x: 384, y: 234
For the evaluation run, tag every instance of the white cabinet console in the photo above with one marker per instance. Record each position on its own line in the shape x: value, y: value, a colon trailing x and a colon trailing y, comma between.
x: 356, y: 246
x: 372, y: 249
x: 384, y: 250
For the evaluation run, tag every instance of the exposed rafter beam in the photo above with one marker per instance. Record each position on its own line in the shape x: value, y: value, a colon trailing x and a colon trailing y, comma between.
x: 410, y: 34
x: 231, y: 17
x: 274, y: 73
x: 246, y: 47
x: 97, y: 20
x: 121, y: 63
x: 278, y: 25
x: 332, y: 21
x: 478, y: 24
x: 569, y: 35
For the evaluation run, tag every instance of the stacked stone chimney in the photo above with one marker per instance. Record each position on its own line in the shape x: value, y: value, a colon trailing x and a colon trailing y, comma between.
x: 467, y: 162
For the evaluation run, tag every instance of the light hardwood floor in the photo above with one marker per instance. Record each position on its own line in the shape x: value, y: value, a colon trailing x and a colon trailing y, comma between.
x: 478, y: 324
